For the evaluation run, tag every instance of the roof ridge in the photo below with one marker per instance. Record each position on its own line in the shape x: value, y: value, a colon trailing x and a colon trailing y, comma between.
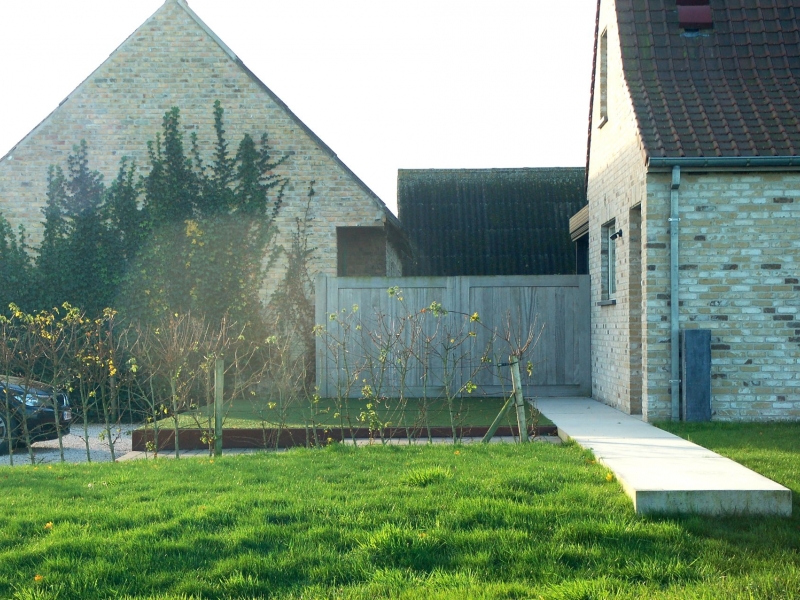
x: 210, y: 32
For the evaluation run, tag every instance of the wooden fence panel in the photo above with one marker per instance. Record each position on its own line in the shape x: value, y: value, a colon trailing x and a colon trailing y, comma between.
x: 393, y: 340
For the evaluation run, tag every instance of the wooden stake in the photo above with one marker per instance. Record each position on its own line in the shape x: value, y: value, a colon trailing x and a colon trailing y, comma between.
x: 519, y: 400
x: 498, y: 419
x: 219, y: 386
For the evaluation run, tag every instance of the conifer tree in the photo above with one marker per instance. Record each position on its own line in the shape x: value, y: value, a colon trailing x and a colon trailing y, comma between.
x: 51, y: 263
x: 189, y: 236
x: 16, y: 283
x: 207, y: 227
x: 75, y: 258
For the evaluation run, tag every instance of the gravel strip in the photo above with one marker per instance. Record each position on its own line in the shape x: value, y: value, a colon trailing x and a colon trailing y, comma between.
x: 75, y: 446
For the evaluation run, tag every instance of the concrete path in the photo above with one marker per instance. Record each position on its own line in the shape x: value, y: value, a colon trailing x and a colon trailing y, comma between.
x: 661, y: 472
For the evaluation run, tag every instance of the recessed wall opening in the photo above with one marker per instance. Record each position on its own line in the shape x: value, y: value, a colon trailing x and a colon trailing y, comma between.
x: 603, y: 79
x: 694, y: 15
x: 361, y: 251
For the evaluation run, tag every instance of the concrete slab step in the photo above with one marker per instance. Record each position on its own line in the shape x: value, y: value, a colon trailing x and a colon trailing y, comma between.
x: 661, y: 472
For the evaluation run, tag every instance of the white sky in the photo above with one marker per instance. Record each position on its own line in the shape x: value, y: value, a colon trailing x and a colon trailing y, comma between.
x: 386, y: 84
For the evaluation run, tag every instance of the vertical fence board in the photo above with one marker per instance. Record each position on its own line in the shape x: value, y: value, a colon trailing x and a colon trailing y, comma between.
x: 556, y: 307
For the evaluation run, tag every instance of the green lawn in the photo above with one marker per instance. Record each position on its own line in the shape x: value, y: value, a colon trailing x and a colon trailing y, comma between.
x: 326, y: 412
x: 476, y: 521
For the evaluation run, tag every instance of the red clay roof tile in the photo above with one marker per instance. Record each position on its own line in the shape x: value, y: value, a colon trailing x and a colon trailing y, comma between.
x: 727, y: 91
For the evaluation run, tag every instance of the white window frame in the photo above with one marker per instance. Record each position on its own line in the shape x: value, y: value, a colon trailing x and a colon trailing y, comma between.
x: 612, y: 261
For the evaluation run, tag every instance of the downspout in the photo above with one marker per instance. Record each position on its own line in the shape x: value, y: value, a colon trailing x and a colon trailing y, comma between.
x: 674, y: 229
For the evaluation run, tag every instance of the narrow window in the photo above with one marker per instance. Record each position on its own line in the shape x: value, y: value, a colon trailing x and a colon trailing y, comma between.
x: 612, y: 262
x: 608, y: 253
x: 603, y: 78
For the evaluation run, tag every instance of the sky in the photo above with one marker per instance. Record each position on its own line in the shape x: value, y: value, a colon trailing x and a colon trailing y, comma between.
x: 387, y: 84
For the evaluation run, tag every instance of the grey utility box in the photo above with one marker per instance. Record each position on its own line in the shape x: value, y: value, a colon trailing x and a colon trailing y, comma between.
x: 696, y: 375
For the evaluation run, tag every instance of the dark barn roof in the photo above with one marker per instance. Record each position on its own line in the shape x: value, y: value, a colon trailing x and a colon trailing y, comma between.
x: 489, y: 221
x: 731, y: 90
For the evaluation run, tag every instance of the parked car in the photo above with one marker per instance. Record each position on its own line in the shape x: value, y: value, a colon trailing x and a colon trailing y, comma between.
x: 32, y: 403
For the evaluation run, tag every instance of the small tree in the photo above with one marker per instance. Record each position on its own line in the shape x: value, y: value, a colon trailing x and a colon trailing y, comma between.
x: 177, y: 346
x: 9, y: 348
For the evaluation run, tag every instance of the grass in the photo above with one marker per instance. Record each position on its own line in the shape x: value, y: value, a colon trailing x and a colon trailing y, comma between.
x: 477, y: 521
x: 772, y: 449
x: 475, y: 412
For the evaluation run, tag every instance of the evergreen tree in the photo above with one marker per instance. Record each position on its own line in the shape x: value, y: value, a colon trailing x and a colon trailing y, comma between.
x: 126, y: 220
x: 16, y: 270
x: 92, y: 278
x: 291, y: 308
x: 75, y: 259
x: 208, y: 227
x: 51, y: 263
x: 187, y: 237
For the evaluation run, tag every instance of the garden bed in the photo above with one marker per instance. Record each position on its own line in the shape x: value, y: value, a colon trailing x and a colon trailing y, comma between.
x: 265, y: 425
x: 196, y: 438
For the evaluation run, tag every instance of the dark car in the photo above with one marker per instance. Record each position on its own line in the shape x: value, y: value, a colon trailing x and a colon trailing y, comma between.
x: 34, y: 404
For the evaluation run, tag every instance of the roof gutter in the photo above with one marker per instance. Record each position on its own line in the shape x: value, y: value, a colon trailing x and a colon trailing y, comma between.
x: 713, y: 163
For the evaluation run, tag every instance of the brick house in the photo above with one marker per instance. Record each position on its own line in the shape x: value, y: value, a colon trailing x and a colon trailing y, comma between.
x: 693, y: 187
x: 174, y: 59
x: 489, y: 221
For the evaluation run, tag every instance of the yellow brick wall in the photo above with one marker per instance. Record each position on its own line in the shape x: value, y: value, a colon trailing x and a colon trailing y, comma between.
x: 172, y: 61
x: 739, y: 277
x: 616, y: 184
x: 739, y: 272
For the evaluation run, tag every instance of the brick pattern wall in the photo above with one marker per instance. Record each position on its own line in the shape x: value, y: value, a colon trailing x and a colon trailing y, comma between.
x: 616, y: 184
x: 172, y: 61
x: 739, y: 273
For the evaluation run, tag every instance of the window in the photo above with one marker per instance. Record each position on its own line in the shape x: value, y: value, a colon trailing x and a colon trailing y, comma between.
x: 603, y: 79
x: 612, y: 263
x: 608, y: 254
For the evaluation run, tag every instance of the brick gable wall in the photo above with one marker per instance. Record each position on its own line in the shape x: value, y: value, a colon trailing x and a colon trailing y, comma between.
x: 172, y: 61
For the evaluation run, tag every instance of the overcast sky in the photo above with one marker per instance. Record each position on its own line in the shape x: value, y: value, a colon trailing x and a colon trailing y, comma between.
x: 387, y: 84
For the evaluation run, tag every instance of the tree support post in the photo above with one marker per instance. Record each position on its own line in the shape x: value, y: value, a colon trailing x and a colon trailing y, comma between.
x: 515, y: 400
x: 519, y: 400
x: 219, y: 386
x: 496, y: 423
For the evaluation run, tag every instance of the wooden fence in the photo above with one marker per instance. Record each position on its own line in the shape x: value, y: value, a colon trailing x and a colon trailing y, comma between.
x: 388, y: 333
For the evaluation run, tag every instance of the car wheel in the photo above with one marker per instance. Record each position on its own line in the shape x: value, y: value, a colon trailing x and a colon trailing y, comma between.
x: 4, y: 430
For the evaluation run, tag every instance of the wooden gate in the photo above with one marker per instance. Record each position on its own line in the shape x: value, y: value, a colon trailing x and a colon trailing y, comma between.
x: 390, y: 332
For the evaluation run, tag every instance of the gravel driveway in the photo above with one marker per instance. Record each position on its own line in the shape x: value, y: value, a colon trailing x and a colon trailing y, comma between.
x: 75, y: 446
